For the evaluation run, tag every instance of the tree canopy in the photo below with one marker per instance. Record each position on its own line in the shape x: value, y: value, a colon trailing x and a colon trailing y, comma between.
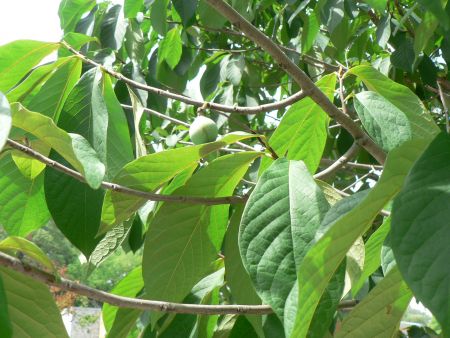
x: 279, y: 168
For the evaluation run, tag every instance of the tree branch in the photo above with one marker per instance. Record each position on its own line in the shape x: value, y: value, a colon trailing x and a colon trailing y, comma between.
x: 193, y: 102
x: 339, y: 163
x: 308, y: 87
x: 122, y: 189
x: 135, y: 303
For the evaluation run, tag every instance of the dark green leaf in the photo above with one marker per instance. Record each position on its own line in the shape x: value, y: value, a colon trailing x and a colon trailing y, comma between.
x: 5, y: 324
x: 158, y: 16
x: 186, y: 10
x: 420, y: 232
x: 70, y: 12
x: 113, y: 28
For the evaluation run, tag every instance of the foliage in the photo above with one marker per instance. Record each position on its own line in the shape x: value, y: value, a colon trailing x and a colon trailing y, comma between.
x: 325, y: 194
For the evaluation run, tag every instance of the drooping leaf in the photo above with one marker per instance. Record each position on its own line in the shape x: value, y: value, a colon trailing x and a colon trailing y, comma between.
x: 373, y: 254
x: 170, y: 48
x: 209, y: 16
x: 158, y: 16
x: 70, y: 12
x: 113, y: 28
x: 192, y: 234
x: 402, y: 97
x: 309, y: 31
x: 76, y: 207
x: 17, y: 58
x: 28, y: 166
x: 129, y: 286
x: 419, y: 229
x: 19, y: 244
x: 5, y: 323
x: 278, y: 227
x: 302, y: 132
x: 186, y: 10
x: 32, y: 310
x: 236, y: 276
x: 326, y: 255
x: 72, y: 147
x: 22, y: 202
x: 5, y: 120
x: 149, y: 172
x: 379, y: 314
x: 53, y: 94
x: 384, y: 122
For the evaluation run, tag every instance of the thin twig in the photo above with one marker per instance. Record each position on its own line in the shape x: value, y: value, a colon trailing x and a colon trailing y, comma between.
x: 339, y: 163
x: 299, y: 76
x: 355, y: 165
x: 188, y: 100
x: 122, y: 189
x: 135, y: 303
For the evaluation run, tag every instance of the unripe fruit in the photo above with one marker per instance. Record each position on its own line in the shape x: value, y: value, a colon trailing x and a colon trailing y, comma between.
x: 203, y: 130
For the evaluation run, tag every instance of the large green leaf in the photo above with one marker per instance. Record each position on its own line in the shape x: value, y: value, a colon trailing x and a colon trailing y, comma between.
x: 170, y: 48
x: 192, y: 234
x: 420, y: 229
x: 5, y: 323
x: 52, y: 95
x: 278, y: 227
x: 437, y: 8
x: 132, y: 7
x: 236, y: 276
x: 158, y: 16
x: 32, y: 310
x: 373, y: 254
x: 384, y: 122
x: 70, y: 12
x: 149, y: 172
x: 402, y: 97
x: 302, y: 132
x: 379, y: 314
x: 209, y: 16
x: 76, y: 207
x: 186, y: 10
x: 326, y: 255
x: 5, y: 120
x: 72, y: 147
x: 113, y: 28
x: 22, y: 202
x: 19, y: 244
x: 18, y: 57
x: 129, y: 286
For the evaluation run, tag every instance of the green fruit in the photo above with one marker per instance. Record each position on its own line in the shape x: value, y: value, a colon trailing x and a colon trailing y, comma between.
x: 203, y: 130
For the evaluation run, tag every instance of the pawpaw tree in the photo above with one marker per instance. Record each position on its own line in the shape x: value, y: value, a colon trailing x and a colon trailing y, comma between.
x: 281, y: 168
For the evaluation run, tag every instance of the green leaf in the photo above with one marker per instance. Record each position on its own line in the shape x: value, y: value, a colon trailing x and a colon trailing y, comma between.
x: 132, y: 7
x: 76, y: 207
x: 436, y: 7
x: 53, y: 94
x: 373, y: 254
x: 186, y: 10
x: 236, y: 276
x: 76, y: 40
x: 209, y: 16
x: 302, y: 133
x: 120, y: 149
x: 32, y: 310
x: 71, y: 147
x: 113, y: 28
x: 5, y: 120
x: 192, y: 234
x: 420, y: 232
x: 158, y: 16
x: 149, y: 172
x: 278, y: 226
x: 170, y: 48
x: 22, y: 203
x: 28, y: 87
x: 70, y: 12
x: 124, y: 321
x: 378, y: 5
x: 326, y: 255
x: 5, y: 323
x: 379, y: 313
x: 424, y: 32
x: 402, y: 97
x: 129, y: 286
x: 13, y: 243
x: 18, y: 57
x: 309, y: 31
x: 384, y: 122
